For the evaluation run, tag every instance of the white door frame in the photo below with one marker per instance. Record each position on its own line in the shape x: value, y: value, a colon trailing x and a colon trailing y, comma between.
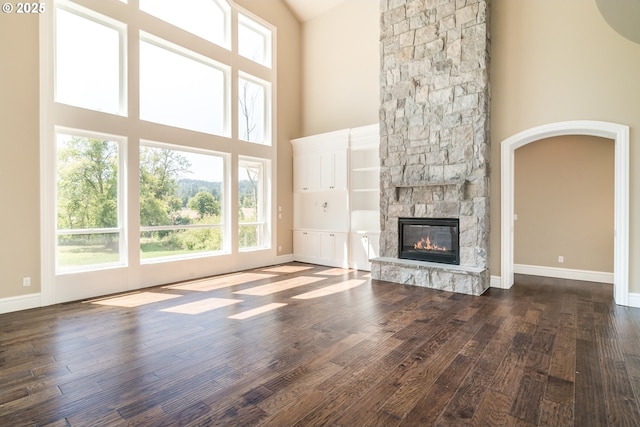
x: 620, y: 135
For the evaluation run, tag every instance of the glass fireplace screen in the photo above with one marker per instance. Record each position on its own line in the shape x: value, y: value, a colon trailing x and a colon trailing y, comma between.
x: 429, y: 239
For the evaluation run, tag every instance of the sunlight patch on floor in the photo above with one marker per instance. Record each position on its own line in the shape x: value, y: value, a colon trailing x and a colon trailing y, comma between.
x: 334, y: 272
x: 287, y: 269
x: 333, y: 289
x: 256, y: 311
x: 135, y: 300
x: 280, y: 286
x: 202, y: 306
x: 220, y: 282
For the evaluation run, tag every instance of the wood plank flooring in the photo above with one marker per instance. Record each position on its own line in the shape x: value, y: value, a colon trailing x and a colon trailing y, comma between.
x: 304, y: 345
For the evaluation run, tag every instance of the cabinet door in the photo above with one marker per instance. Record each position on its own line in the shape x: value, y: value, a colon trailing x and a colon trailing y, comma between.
x: 326, y: 247
x: 340, y: 250
x: 333, y: 249
x: 306, y: 172
x: 313, y: 171
x: 340, y: 171
x: 359, y: 251
x: 312, y: 246
x: 299, y: 245
x: 333, y: 170
x: 373, y: 240
x: 299, y: 172
x: 327, y: 170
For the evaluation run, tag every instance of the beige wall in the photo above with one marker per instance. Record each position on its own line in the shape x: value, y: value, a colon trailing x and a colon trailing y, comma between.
x: 19, y: 121
x: 19, y: 174
x: 554, y: 61
x: 341, y: 66
x: 564, y: 201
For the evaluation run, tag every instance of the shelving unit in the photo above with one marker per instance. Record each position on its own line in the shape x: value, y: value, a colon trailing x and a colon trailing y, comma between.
x: 337, y: 197
x: 364, y: 196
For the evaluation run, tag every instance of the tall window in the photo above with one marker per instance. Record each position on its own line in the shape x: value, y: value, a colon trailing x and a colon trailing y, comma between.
x: 253, y: 204
x: 182, y: 89
x: 181, y: 202
x: 89, y: 60
x: 254, y: 41
x: 89, y: 201
x: 183, y: 100
x: 208, y: 19
x: 253, y: 110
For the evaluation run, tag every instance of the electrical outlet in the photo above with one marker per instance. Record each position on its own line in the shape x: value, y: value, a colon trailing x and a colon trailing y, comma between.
x: 26, y: 281
x: 560, y: 258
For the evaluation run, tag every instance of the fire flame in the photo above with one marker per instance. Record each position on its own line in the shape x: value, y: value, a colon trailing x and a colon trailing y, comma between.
x: 427, y: 245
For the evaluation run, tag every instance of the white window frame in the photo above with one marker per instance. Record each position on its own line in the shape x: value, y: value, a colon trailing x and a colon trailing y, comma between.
x: 53, y: 116
x: 226, y: 10
x: 266, y: 33
x: 189, y: 54
x: 263, y: 204
x: 224, y: 224
x: 109, y: 22
x: 122, y: 228
x: 268, y: 105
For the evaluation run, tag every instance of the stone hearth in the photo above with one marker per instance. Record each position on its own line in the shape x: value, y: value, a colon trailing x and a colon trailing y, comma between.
x: 434, y: 130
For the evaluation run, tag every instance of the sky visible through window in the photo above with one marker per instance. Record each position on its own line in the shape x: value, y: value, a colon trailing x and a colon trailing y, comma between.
x: 179, y: 91
x: 204, y: 18
x: 87, y: 63
x: 203, y: 167
x: 175, y: 89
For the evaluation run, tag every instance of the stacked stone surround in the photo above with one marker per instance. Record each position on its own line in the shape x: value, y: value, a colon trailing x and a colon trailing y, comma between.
x: 434, y: 135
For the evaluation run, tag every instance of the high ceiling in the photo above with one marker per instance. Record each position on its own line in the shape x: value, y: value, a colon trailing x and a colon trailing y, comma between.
x: 306, y: 10
x: 623, y: 16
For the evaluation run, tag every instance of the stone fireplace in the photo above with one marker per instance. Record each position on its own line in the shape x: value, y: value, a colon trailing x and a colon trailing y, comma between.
x: 434, y: 136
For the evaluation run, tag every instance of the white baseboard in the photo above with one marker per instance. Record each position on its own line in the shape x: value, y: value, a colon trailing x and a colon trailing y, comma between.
x: 564, y: 273
x: 283, y: 259
x: 634, y: 300
x: 22, y: 302
x: 496, y: 282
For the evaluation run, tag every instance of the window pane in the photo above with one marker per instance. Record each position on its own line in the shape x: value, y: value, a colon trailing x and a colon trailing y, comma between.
x: 249, y: 236
x: 87, y: 199
x: 204, y: 18
x: 87, y: 63
x: 252, y: 113
x: 81, y: 250
x: 179, y: 91
x: 254, y: 41
x: 164, y: 243
x: 87, y: 183
x: 252, y: 205
x: 181, y: 193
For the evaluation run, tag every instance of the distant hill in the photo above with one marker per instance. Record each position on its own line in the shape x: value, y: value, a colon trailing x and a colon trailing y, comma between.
x: 187, y: 188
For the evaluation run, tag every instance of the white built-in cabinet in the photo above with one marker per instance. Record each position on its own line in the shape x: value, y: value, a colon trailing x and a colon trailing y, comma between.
x: 363, y: 247
x: 320, y: 170
x: 336, y: 197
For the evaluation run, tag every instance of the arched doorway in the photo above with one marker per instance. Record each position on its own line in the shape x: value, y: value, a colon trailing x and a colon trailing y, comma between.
x: 620, y: 135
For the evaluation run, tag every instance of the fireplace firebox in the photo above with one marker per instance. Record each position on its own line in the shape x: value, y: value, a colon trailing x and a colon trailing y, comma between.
x: 429, y: 239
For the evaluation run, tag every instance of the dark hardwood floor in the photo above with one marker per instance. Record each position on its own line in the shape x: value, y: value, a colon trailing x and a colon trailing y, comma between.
x: 303, y: 345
